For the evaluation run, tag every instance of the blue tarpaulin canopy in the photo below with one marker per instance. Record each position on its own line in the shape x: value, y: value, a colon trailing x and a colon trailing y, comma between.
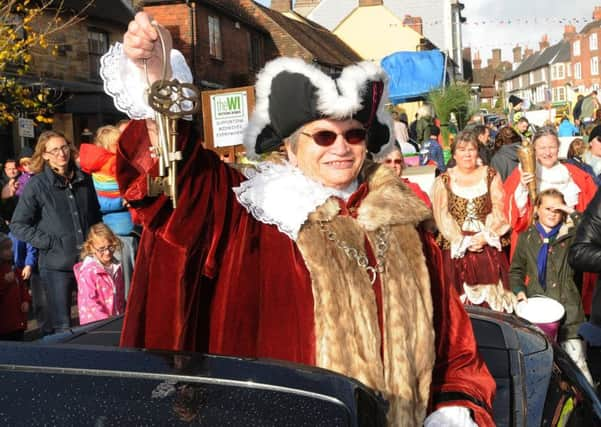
x: 413, y: 74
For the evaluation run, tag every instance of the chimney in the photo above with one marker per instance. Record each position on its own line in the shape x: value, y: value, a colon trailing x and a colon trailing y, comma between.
x: 597, y: 13
x: 569, y: 31
x: 477, y: 61
x: 544, y: 42
x: 495, y: 62
x: 281, y: 6
x: 415, y: 23
x: 528, y: 53
x: 517, y: 54
x: 371, y: 3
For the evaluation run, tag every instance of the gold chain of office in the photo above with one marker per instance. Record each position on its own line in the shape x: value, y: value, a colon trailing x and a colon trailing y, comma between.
x: 359, y: 256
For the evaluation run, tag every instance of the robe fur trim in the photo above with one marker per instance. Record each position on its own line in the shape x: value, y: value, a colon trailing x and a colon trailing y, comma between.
x: 348, y: 338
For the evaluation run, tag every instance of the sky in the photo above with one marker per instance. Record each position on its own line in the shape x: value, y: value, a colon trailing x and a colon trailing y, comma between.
x: 505, y: 23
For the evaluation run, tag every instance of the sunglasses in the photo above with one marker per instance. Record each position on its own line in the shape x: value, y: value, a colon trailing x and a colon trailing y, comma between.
x: 395, y: 161
x: 324, y: 138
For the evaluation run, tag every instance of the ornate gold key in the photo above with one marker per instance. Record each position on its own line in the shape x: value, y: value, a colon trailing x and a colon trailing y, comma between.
x: 171, y: 101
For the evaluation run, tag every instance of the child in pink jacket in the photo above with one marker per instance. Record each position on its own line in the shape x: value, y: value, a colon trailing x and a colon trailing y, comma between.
x: 100, y: 288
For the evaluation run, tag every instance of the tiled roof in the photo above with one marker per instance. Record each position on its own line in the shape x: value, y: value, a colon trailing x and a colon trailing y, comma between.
x: 484, y: 76
x: 324, y: 46
x: 559, y: 52
x: 564, y: 53
x: 524, y: 67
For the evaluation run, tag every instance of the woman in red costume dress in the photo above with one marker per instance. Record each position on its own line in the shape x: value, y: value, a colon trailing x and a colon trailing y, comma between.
x: 255, y: 266
x: 467, y: 203
x: 577, y: 187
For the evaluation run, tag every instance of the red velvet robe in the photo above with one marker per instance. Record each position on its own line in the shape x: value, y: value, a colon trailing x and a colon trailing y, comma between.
x: 209, y: 277
x: 588, y: 188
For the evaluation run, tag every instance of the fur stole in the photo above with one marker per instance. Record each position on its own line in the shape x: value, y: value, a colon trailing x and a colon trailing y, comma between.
x: 347, y: 334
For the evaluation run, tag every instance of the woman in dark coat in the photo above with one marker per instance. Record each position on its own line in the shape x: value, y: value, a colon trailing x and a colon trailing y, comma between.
x: 54, y: 213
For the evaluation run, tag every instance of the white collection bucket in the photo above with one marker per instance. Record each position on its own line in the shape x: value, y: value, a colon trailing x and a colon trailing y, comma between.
x: 544, y: 312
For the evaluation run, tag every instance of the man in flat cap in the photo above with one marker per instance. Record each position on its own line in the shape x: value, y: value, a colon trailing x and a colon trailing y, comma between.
x: 315, y: 260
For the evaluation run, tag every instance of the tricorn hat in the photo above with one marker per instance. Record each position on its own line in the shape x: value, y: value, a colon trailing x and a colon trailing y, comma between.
x: 291, y: 93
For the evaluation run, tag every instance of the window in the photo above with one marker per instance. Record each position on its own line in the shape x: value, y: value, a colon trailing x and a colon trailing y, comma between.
x: 215, y: 38
x: 592, y: 42
x: 594, y: 66
x: 255, y: 52
x: 569, y: 69
x: 520, y: 82
x: 98, y: 45
x: 561, y: 94
x: 561, y: 71
x: 576, y: 48
x: 577, y: 71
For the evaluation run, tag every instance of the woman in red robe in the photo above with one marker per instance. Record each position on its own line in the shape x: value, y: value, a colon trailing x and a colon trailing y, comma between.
x: 313, y: 261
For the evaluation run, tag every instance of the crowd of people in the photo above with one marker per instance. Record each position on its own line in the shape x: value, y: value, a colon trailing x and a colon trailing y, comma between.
x: 68, y: 230
x: 500, y: 244
x: 310, y: 256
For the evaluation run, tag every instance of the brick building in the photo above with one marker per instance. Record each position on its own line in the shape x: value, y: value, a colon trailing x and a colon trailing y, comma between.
x: 234, y: 39
x: 73, y: 73
x: 224, y: 44
x: 541, y: 77
x: 585, y: 53
x: 486, y: 81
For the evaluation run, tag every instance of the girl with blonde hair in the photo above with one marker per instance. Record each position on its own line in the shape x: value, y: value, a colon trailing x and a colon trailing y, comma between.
x: 100, y: 287
x: 57, y: 207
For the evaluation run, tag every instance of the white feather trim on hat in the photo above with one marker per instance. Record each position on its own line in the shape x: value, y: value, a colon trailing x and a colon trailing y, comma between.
x: 337, y: 99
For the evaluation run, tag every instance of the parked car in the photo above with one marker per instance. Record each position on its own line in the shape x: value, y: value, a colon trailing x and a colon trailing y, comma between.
x: 82, y: 378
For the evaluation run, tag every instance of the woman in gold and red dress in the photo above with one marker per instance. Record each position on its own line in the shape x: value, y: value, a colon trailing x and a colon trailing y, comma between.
x: 467, y: 203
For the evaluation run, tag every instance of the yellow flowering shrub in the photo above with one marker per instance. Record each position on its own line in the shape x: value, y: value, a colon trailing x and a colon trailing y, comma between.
x: 22, y: 30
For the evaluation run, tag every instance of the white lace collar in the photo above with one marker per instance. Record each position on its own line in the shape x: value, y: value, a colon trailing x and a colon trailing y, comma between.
x: 281, y: 195
x: 558, y: 177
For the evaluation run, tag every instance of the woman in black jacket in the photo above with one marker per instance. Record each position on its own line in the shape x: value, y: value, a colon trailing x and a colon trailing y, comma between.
x: 54, y: 213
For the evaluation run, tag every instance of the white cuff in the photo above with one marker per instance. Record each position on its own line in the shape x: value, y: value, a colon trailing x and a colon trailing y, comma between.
x: 126, y: 83
x: 450, y: 416
x: 458, y: 248
x: 521, y: 198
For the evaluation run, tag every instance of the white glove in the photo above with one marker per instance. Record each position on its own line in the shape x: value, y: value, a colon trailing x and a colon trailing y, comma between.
x: 450, y: 416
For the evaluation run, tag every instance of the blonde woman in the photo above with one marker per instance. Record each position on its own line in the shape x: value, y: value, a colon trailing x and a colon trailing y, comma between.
x: 54, y: 213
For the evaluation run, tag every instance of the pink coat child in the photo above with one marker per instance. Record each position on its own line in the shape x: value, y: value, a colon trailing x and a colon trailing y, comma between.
x: 100, y: 290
